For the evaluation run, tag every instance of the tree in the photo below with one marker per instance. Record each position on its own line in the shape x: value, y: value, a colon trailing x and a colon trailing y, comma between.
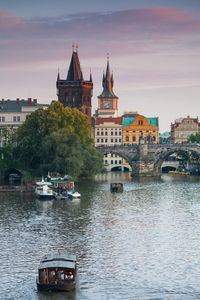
x: 56, y: 139
x: 194, y: 138
x: 68, y: 155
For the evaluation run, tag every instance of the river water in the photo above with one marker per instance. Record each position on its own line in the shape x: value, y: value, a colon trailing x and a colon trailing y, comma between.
x: 141, y: 244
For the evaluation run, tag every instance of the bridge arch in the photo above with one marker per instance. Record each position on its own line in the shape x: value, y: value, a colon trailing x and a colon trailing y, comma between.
x: 164, y: 155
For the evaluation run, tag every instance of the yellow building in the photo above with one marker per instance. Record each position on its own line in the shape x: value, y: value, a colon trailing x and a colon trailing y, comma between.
x: 136, y: 126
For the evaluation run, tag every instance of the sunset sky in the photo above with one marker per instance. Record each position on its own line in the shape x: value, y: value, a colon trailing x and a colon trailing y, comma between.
x: 154, y: 50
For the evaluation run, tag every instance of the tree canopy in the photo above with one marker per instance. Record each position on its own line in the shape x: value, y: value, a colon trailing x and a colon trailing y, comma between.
x: 194, y: 138
x: 57, y: 139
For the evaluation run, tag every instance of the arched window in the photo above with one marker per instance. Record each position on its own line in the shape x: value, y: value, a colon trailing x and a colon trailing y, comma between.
x: 133, y: 138
x: 127, y: 139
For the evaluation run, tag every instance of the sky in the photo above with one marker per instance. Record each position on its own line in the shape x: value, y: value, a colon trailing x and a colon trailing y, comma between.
x: 153, y: 46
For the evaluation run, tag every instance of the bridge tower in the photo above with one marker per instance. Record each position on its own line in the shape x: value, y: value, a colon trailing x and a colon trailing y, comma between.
x: 74, y: 91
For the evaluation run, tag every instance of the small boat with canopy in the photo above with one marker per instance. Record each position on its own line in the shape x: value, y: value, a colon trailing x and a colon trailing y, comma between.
x: 57, y: 272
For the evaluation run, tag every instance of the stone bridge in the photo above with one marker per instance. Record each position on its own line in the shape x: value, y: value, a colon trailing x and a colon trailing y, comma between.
x: 146, y: 159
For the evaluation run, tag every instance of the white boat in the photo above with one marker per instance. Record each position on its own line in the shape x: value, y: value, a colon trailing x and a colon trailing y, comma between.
x: 43, y: 190
x: 73, y: 194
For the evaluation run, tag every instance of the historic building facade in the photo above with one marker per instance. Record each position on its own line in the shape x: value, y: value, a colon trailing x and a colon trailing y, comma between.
x: 74, y: 91
x: 136, y: 126
x: 107, y: 101
x: 13, y: 113
x: 182, y: 128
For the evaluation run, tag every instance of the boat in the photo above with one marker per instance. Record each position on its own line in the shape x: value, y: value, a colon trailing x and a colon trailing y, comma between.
x: 73, y: 194
x: 57, y: 272
x: 116, y: 187
x: 44, y: 191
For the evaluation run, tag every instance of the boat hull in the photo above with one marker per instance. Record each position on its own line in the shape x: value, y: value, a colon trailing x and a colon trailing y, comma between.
x: 45, y: 197
x: 65, y: 287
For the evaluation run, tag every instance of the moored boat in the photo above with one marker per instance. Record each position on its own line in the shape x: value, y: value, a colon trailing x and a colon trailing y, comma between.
x: 73, y: 194
x: 43, y: 190
x: 57, y: 272
x: 116, y: 187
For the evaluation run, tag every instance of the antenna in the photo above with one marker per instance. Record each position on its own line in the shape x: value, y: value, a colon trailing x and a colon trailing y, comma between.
x: 73, y: 46
x: 76, y: 47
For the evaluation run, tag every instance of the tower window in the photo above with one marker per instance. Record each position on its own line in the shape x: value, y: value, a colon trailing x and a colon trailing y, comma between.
x: 127, y: 139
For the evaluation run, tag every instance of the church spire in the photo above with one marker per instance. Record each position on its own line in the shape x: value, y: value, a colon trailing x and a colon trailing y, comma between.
x: 74, y: 72
x: 107, y: 83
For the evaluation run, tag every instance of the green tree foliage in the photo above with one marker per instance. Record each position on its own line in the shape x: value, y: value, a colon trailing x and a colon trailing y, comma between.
x: 56, y: 139
x: 194, y: 138
x: 189, y: 157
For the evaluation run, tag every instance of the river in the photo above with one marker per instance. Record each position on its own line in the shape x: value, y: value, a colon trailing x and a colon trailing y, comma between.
x: 141, y: 244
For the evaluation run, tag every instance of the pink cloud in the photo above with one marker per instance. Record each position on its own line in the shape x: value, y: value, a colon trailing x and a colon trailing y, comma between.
x: 9, y: 20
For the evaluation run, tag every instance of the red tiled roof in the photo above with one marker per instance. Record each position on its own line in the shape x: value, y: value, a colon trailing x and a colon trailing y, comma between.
x: 109, y: 120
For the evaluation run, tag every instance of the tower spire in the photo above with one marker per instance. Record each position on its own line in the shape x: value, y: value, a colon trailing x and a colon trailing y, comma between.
x: 58, y: 77
x: 74, y: 72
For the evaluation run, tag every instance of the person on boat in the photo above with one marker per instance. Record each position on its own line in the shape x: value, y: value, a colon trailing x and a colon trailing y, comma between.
x: 44, y: 275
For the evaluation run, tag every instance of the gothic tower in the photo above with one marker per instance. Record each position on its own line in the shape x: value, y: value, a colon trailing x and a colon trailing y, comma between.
x: 75, y: 92
x: 107, y: 101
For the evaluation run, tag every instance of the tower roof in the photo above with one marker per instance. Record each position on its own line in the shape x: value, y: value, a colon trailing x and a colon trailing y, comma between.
x: 107, y: 84
x: 74, y: 72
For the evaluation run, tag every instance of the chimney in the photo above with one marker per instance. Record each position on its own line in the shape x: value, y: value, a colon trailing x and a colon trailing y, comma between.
x: 18, y: 101
x: 29, y: 100
x: 3, y: 101
x: 35, y: 101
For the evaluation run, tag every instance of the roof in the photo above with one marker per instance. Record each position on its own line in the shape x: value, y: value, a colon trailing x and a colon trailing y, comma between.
x: 107, y: 84
x: 74, y: 72
x: 109, y: 120
x: 16, y: 105
x: 126, y: 121
x: 63, y: 260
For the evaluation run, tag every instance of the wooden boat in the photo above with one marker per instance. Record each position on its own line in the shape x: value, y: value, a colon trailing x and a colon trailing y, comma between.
x: 116, y: 187
x: 57, y: 272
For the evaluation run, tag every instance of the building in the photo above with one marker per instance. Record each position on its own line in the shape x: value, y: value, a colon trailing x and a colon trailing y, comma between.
x: 74, y: 91
x: 182, y: 128
x: 108, y: 131
x: 107, y: 101
x: 13, y: 113
x: 136, y: 126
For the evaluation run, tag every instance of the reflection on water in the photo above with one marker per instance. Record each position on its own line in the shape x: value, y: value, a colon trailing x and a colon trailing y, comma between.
x: 143, y: 243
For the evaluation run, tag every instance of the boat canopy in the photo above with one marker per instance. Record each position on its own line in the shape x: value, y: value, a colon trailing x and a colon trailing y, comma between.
x: 58, y: 261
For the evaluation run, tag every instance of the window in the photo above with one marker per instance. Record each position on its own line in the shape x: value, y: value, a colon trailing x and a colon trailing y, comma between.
x: 133, y: 138
x: 105, y: 155
x: 116, y: 162
x: 101, y: 140
x: 115, y: 132
x: 115, y: 140
x: 111, y: 162
x: 120, y: 140
x: 140, y: 122
x: 111, y: 133
x: 111, y: 140
x: 18, y: 118
x: 97, y: 140
x: 14, y: 119
x: 106, y: 140
x: 106, y: 162
x: 127, y: 139
x: 120, y: 133
x: 106, y: 133
x: 120, y: 161
x: 2, y: 119
x: 102, y: 133
x: 97, y: 132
